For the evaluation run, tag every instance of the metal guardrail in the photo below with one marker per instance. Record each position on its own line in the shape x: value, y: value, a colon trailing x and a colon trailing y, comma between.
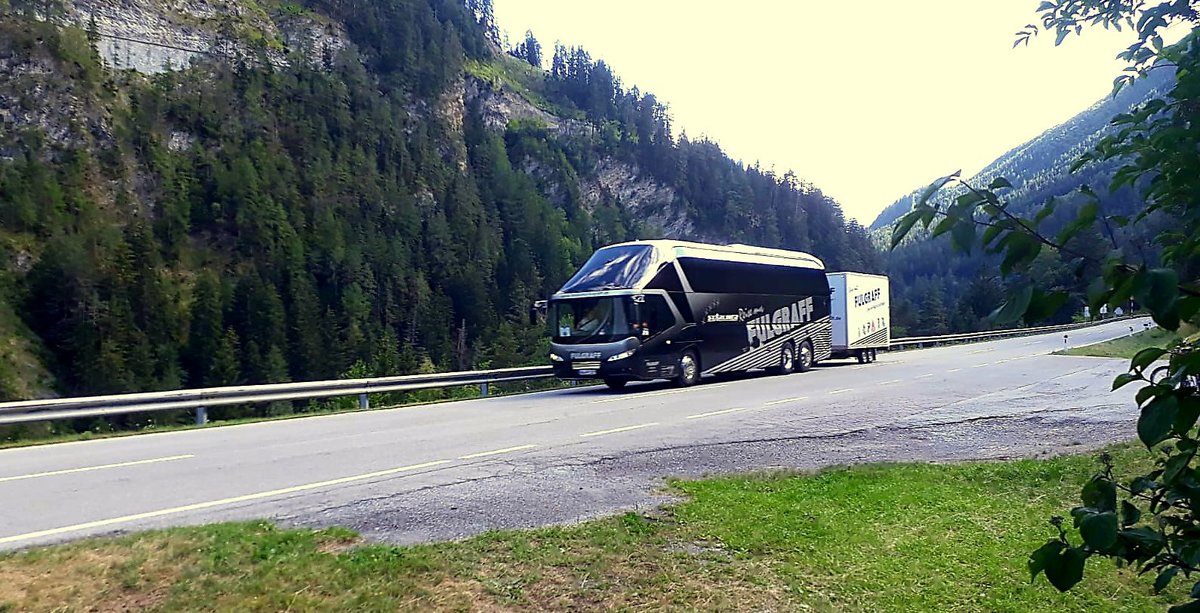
x: 200, y: 400
x: 921, y: 341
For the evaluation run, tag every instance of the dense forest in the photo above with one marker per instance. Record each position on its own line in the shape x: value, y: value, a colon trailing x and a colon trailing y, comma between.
x: 936, y: 291
x: 247, y: 221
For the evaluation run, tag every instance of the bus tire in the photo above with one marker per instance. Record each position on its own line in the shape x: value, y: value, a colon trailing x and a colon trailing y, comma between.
x: 787, y: 360
x: 615, y: 384
x: 805, y: 358
x: 689, y: 369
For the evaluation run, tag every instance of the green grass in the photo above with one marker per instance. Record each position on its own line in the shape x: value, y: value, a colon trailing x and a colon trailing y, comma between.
x: 527, y: 81
x: 1128, y: 346
x: 872, y: 538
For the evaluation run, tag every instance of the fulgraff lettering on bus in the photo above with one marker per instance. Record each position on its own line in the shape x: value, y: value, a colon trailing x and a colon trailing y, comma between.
x: 763, y: 329
x: 867, y: 297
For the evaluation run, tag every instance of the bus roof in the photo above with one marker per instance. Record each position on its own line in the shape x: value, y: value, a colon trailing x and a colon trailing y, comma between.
x: 671, y: 249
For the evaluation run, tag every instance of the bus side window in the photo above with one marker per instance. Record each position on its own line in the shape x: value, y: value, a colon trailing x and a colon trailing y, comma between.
x: 656, y: 315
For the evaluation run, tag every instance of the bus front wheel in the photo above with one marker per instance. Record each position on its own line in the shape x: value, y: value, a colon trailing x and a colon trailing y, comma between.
x: 689, y: 370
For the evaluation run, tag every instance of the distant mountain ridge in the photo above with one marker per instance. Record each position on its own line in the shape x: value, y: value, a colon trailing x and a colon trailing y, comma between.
x: 1038, y: 167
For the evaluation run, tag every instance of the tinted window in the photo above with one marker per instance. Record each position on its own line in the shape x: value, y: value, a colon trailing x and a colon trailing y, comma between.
x: 612, y: 268
x: 722, y: 277
x: 656, y: 315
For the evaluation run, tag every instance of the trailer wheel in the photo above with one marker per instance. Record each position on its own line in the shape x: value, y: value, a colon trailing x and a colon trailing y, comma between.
x: 874, y: 354
x: 787, y: 360
x: 861, y: 355
x: 689, y: 369
x: 805, y: 357
x: 615, y: 384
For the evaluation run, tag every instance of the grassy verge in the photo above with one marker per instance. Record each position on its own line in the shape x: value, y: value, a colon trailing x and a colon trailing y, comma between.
x: 1127, y: 346
x: 873, y: 538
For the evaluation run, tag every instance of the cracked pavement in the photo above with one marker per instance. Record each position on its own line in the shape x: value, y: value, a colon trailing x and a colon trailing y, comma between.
x: 452, y: 470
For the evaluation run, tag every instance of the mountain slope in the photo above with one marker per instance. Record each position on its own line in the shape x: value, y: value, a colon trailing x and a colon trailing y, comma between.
x: 937, y: 290
x: 214, y: 192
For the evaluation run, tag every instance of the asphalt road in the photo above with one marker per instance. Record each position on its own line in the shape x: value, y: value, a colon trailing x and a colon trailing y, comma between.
x: 451, y: 470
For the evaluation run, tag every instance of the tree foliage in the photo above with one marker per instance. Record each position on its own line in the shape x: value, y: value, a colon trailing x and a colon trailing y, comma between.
x: 1151, y: 521
x: 241, y: 224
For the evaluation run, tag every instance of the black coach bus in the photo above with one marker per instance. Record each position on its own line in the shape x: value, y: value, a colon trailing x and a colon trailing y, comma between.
x: 676, y: 310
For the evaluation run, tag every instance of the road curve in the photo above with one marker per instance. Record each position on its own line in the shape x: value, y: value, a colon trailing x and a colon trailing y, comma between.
x: 455, y: 469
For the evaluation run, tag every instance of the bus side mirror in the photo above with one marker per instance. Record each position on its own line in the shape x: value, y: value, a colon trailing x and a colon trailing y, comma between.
x: 537, y: 311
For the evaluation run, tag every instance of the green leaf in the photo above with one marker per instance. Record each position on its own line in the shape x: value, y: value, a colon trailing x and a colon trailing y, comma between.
x: 1040, y: 558
x: 1046, y: 210
x: 1157, y: 418
x: 1164, y: 579
x: 1100, y: 494
x: 1141, y: 484
x: 999, y: 183
x: 962, y: 237
x: 1158, y: 291
x: 943, y: 226
x: 1099, y: 530
x: 902, y: 227
x: 1020, y: 249
x: 1187, y: 607
x: 1124, y: 379
x: 1175, y: 466
x: 1044, y: 305
x: 1013, y: 308
x: 1129, y: 514
x: 1065, y: 569
x: 1146, y: 357
x: 936, y: 186
x: 1148, y: 541
x: 1196, y: 590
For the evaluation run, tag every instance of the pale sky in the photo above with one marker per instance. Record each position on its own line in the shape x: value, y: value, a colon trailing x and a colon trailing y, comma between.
x: 867, y: 103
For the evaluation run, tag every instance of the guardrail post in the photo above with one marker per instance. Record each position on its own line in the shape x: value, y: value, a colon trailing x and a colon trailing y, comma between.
x: 483, y: 389
x: 201, y: 416
x: 364, y: 402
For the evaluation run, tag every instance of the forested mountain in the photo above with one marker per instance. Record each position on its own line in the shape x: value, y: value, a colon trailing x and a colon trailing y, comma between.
x: 936, y: 291
x: 216, y: 192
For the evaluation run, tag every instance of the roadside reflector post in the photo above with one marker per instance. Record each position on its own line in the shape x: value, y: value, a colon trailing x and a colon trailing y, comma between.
x: 483, y: 389
x: 364, y: 402
x: 1065, y: 337
x: 201, y: 416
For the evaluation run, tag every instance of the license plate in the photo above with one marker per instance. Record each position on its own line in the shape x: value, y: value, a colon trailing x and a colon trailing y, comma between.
x: 586, y: 372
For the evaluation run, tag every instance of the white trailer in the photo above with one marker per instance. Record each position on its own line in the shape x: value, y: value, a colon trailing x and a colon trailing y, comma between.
x: 861, y: 314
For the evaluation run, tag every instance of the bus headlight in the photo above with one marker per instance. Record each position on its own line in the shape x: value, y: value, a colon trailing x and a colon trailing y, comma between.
x: 621, y: 356
x: 554, y: 357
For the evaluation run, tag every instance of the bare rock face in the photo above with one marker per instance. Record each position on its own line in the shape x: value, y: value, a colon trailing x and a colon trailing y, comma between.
x: 500, y: 105
x: 153, y: 36
x: 649, y: 201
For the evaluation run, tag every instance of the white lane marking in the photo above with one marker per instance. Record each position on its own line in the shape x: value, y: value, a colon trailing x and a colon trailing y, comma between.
x: 616, y: 430
x: 714, y: 413
x: 215, y: 503
x: 983, y: 350
x: 496, y: 452
x: 925, y: 376
x: 954, y: 370
x: 784, y: 401
x: 1030, y: 343
x: 91, y: 468
x: 980, y: 365
x: 652, y: 394
x: 892, y: 381
x: 843, y: 391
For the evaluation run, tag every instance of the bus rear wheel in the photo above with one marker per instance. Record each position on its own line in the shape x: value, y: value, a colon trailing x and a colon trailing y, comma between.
x: 689, y: 370
x: 616, y: 384
x: 805, y: 357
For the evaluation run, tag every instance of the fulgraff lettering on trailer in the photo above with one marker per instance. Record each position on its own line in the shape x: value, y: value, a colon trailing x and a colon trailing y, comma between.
x: 772, y: 325
x: 867, y: 298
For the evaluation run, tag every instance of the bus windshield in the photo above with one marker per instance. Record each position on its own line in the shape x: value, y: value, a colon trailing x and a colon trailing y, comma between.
x: 612, y: 268
x: 593, y: 320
